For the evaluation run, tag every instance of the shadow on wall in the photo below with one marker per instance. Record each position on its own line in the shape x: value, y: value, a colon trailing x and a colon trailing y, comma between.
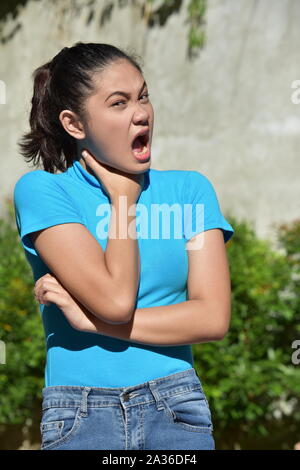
x: 148, y: 14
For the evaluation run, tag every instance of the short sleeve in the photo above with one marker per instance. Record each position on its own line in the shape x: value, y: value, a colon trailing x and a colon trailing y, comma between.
x: 201, y: 207
x: 40, y: 202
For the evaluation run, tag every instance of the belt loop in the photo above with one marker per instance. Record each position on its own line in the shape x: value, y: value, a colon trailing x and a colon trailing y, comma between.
x: 158, y: 400
x: 83, y: 405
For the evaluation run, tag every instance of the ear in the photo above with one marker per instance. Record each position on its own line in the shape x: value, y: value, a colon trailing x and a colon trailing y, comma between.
x: 72, y: 124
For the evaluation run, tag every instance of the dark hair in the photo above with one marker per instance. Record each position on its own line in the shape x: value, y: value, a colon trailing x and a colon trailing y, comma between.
x: 64, y: 83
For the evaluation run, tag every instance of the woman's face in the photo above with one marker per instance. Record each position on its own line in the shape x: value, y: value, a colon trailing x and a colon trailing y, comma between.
x: 119, y: 110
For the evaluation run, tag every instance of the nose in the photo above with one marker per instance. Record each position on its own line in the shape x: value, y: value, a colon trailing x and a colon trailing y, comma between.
x: 141, y: 114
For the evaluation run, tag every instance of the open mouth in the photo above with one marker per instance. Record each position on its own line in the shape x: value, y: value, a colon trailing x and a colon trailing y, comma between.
x: 140, y: 145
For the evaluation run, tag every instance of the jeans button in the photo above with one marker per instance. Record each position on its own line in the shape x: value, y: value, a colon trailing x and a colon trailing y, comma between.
x: 126, y: 397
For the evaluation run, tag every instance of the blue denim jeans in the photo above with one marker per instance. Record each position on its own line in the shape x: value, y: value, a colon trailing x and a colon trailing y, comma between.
x: 170, y: 412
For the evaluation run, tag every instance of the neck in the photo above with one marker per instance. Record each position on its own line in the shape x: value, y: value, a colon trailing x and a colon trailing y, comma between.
x: 82, y: 161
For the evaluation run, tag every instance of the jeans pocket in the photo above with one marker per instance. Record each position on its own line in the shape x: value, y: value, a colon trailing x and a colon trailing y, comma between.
x: 58, y: 425
x: 190, y: 410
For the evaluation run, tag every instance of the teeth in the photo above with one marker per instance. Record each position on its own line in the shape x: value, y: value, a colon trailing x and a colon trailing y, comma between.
x: 143, y: 151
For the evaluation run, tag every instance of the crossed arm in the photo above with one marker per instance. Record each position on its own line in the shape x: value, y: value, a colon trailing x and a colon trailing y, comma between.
x: 204, y: 317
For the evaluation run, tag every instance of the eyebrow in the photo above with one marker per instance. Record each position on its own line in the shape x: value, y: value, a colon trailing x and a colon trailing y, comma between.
x: 123, y: 93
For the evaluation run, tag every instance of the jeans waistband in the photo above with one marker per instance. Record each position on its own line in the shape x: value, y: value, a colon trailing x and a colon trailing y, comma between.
x: 75, y: 396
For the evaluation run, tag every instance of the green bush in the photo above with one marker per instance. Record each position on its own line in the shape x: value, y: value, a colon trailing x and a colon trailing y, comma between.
x: 22, y: 376
x: 244, y: 375
x: 250, y: 370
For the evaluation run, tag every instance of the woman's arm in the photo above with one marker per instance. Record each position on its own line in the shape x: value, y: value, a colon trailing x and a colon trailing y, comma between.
x: 193, y: 321
x: 204, y: 317
x: 88, y: 272
x: 74, y: 255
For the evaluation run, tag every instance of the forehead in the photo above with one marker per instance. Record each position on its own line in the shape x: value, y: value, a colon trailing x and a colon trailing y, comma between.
x: 120, y: 75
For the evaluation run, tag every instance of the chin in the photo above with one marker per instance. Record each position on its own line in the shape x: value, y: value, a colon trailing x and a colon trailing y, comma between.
x: 141, y: 167
x: 135, y: 167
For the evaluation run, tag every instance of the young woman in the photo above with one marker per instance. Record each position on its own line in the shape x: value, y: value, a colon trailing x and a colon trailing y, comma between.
x: 121, y: 307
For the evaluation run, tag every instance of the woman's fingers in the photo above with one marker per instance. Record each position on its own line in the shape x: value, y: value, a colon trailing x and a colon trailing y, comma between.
x: 45, y: 289
x: 42, y: 278
x: 53, y: 296
x: 99, y: 168
x: 89, y: 159
x: 48, y: 290
x: 44, y: 285
x: 40, y: 282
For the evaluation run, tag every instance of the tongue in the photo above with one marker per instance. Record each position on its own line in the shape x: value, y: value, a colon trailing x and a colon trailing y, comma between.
x: 137, y: 144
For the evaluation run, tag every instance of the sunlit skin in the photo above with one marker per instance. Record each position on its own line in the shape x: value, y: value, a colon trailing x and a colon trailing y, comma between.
x: 111, y: 122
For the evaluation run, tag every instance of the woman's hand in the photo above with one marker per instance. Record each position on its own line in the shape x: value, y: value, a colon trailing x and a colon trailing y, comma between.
x: 48, y: 289
x: 116, y: 182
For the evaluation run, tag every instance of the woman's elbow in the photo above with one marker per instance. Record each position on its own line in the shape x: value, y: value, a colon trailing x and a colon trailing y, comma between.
x: 220, y: 334
x: 122, y: 312
x: 128, y: 309
x: 222, y: 330
x: 222, y: 325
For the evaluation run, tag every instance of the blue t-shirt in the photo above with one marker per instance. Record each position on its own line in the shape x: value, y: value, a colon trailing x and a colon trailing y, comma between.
x: 43, y: 199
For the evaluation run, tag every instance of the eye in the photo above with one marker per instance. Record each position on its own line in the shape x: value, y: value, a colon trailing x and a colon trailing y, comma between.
x: 118, y: 103
x: 123, y: 102
x: 145, y: 94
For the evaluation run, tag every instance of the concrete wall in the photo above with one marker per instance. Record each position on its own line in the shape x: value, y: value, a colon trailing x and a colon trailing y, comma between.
x: 228, y: 113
